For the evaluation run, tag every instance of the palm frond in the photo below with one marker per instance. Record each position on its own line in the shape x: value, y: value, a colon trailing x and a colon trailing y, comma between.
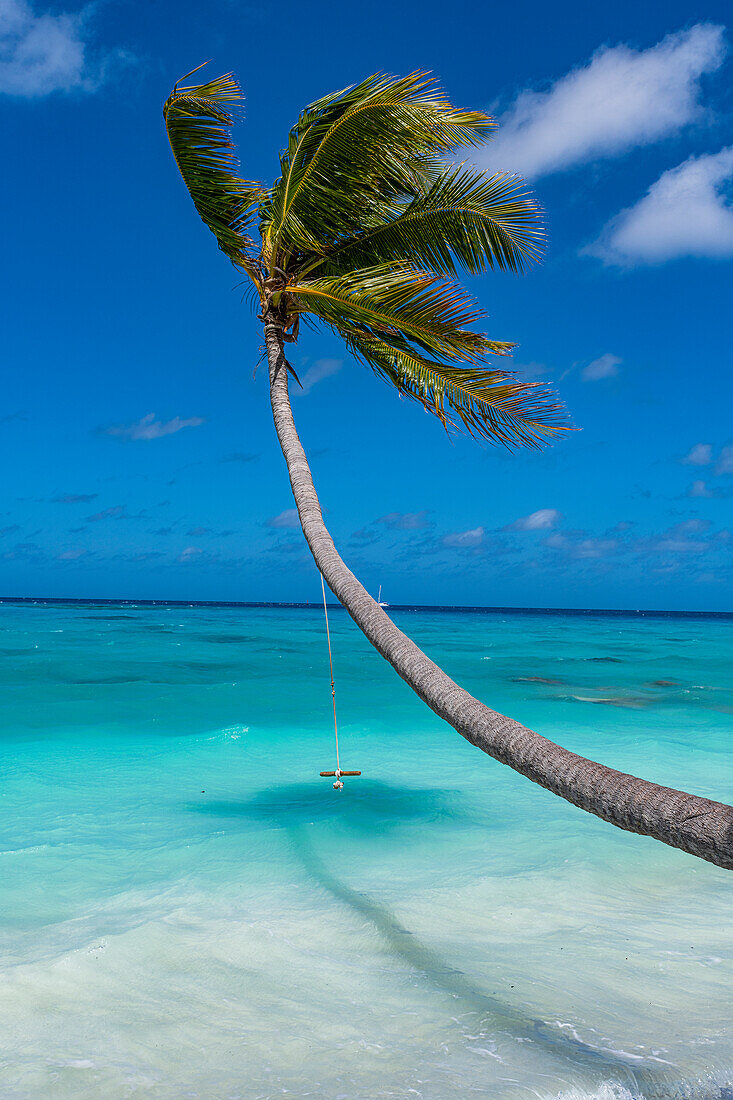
x: 397, y: 298
x: 360, y: 149
x: 198, y: 120
x: 464, y: 218
x: 365, y: 231
x: 487, y: 403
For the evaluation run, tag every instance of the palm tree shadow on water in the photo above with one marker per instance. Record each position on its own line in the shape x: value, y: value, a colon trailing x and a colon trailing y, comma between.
x: 371, y: 805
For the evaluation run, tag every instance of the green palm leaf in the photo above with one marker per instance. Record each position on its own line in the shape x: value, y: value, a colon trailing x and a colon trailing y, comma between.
x: 353, y: 153
x: 198, y: 121
x: 364, y: 232
x: 464, y: 218
x: 487, y: 403
x: 397, y: 297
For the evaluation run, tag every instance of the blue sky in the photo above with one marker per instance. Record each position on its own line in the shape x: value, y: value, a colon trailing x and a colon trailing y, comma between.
x: 139, y: 455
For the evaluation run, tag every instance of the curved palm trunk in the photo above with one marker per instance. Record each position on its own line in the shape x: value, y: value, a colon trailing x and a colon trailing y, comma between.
x: 697, y: 825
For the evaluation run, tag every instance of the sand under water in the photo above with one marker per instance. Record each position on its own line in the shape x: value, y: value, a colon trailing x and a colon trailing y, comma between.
x: 188, y: 910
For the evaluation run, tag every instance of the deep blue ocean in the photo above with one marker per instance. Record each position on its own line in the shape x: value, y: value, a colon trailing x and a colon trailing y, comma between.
x: 188, y: 910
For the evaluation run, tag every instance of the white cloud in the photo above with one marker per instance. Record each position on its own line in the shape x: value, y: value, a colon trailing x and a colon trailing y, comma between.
x: 150, y: 428
x: 44, y: 53
x: 685, y: 213
x: 725, y: 460
x: 679, y: 546
x: 691, y: 525
x: 620, y: 99
x: 191, y: 553
x: 541, y: 520
x: 465, y: 539
x: 699, y: 489
x: 288, y: 518
x: 578, y: 545
x: 604, y: 367
x: 677, y: 539
x: 322, y: 368
x: 700, y: 455
x: 595, y: 548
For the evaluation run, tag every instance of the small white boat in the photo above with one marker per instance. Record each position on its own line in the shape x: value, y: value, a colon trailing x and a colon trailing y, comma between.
x: 379, y: 598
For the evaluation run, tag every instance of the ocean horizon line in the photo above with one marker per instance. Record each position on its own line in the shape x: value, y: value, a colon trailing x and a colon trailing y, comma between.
x: 476, y: 609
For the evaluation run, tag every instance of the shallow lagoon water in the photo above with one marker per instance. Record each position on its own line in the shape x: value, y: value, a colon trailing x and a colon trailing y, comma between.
x: 188, y: 910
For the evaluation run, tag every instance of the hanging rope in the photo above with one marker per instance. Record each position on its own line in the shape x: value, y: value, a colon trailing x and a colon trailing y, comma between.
x: 338, y: 785
x: 333, y: 686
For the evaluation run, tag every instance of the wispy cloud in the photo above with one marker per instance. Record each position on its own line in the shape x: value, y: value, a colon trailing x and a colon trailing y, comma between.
x: 322, y: 368
x: 691, y: 526
x: 541, y: 520
x: 72, y: 555
x: 680, y: 540
x: 604, y: 367
x: 578, y: 545
x: 41, y: 53
x: 190, y: 554
x: 150, y: 428
x: 672, y: 544
x: 288, y: 518
x: 703, y: 454
x: 699, y: 455
x: 700, y: 488
x: 465, y: 540
x: 405, y: 521
x: 620, y: 99
x: 595, y: 548
x: 724, y: 464
x: 687, y: 212
x: 690, y: 539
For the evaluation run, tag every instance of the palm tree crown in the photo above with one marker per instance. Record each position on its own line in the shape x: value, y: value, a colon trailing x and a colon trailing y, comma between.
x: 365, y: 231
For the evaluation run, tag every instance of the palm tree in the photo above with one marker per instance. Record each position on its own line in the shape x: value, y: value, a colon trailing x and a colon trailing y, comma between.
x: 363, y: 233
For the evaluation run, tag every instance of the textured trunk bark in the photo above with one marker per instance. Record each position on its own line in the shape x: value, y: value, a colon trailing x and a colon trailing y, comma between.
x: 697, y: 825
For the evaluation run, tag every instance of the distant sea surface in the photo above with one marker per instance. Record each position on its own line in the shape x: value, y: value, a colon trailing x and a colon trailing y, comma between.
x: 188, y: 910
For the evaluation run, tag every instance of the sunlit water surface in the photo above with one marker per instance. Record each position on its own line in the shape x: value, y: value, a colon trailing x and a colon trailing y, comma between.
x: 188, y: 910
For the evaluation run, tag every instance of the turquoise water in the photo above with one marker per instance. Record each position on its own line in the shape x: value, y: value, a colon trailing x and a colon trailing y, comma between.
x: 188, y: 910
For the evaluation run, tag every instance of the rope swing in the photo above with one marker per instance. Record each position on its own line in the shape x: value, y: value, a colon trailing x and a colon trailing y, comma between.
x: 338, y: 785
